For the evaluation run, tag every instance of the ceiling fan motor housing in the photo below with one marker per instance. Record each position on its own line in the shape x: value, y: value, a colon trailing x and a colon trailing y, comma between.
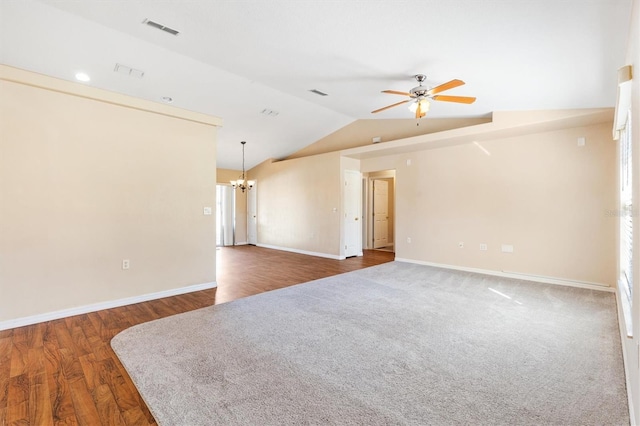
x: 419, y: 91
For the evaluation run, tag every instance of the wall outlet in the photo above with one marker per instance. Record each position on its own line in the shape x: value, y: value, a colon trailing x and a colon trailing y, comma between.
x: 207, y: 211
x: 125, y: 263
x: 461, y: 244
x: 483, y: 247
x: 409, y: 240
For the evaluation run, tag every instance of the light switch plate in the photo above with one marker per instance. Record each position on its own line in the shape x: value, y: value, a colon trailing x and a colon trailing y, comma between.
x: 207, y: 211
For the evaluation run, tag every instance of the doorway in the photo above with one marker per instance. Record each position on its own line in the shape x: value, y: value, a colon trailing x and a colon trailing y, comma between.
x: 381, y: 210
x: 225, y: 215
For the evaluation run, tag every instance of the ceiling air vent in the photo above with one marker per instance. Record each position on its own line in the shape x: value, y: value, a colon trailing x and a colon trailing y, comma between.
x: 131, y: 72
x: 317, y: 92
x: 161, y: 27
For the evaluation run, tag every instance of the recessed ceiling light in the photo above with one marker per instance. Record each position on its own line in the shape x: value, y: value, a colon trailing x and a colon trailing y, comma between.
x: 167, y: 99
x: 83, y: 76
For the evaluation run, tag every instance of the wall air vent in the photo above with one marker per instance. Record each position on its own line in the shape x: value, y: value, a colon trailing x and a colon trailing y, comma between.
x: 161, y: 27
x: 317, y: 92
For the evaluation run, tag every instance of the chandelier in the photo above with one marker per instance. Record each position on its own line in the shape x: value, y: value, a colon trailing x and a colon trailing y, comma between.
x: 240, y: 183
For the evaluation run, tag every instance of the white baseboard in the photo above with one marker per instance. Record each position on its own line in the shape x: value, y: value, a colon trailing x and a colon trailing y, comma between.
x: 49, y: 316
x: 624, y: 339
x: 309, y: 253
x: 518, y: 275
x: 242, y: 243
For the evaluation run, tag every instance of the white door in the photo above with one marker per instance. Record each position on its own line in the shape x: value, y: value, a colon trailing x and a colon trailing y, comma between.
x: 380, y: 213
x: 352, y: 213
x: 252, y: 213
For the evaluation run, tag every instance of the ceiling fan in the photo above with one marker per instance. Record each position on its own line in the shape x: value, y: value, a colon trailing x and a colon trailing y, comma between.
x: 420, y: 95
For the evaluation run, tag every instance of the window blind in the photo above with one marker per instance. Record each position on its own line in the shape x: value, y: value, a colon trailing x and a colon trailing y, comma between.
x: 626, y: 210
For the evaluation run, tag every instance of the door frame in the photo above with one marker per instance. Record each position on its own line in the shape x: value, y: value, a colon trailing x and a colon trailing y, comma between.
x: 367, y: 207
x: 352, y: 195
x: 252, y: 209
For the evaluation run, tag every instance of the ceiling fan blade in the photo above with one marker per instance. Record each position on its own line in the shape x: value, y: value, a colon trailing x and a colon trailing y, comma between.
x: 459, y: 99
x: 395, y: 92
x: 390, y: 106
x: 446, y: 86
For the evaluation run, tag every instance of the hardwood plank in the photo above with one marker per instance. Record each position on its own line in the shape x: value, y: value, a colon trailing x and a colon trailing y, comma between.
x: 132, y: 387
x: 35, y: 335
x: 99, y: 326
x: 135, y: 416
x: 60, y: 398
x: 19, y: 358
x: 64, y: 372
x: 20, y: 334
x: 71, y: 368
x: 40, y: 412
x: 4, y: 392
x: 18, y: 414
x: 67, y: 421
x: 125, y: 396
x: 107, y: 407
x: 89, y: 368
x: 80, y: 341
x: 18, y: 399
x: 85, y: 408
x: 66, y: 341
x: 103, y: 352
x: 5, y: 369
x: 53, y: 359
x: 93, y: 337
x: 36, y: 361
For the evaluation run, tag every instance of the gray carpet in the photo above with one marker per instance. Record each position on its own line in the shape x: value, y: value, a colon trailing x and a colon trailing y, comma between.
x: 396, y: 344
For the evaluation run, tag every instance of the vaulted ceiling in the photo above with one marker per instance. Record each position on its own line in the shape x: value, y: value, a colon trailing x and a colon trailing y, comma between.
x: 239, y: 59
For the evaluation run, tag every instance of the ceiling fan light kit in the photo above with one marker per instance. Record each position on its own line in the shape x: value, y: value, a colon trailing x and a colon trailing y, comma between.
x: 420, y: 96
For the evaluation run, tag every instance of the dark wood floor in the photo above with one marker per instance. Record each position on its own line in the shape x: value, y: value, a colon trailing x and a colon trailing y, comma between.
x: 64, y: 371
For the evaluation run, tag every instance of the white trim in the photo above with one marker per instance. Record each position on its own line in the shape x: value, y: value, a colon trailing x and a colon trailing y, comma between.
x: 625, y: 337
x: 242, y: 243
x: 518, y: 275
x: 20, y: 76
x: 309, y: 253
x: 624, y: 306
x: 79, y: 310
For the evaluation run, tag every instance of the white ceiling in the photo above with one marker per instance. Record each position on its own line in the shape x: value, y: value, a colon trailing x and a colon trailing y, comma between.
x: 233, y: 59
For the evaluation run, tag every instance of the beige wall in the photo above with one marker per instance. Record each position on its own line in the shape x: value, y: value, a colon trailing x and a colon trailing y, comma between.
x: 224, y: 176
x: 86, y: 181
x: 535, y: 189
x: 296, y: 201
x: 539, y: 192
